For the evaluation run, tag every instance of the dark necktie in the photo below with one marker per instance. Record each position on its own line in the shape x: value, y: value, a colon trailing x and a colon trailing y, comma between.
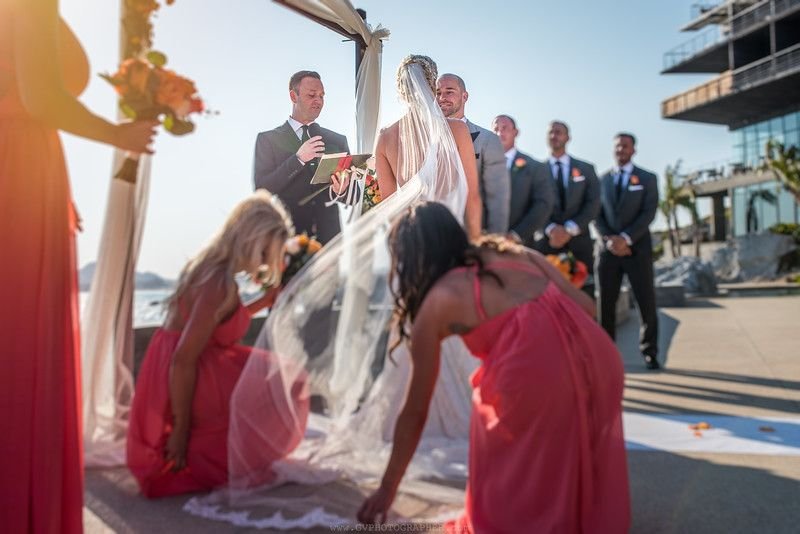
x: 620, y: 180
x: 562, y: 191
x: 305, y: 137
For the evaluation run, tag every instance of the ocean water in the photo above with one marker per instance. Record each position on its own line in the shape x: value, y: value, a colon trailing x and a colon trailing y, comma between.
x: 147, y: 305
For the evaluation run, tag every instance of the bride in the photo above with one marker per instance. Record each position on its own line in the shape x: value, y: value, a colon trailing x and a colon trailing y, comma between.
x: 423, y: 156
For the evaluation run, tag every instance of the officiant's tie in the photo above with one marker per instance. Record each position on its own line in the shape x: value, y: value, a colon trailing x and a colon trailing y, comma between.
x: 305, y: 137
x: 562, y: 191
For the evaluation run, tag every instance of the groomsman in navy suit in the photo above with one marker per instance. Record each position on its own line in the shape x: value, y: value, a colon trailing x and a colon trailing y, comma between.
x: 286, y: 159
x: 577, y: 202
x: 531, y: 193
x: 629, y: 197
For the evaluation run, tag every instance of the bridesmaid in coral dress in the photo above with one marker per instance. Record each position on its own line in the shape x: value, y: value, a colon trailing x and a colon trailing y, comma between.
x: 547, y: 452
x: 42, y: 69
x: 179, y: 422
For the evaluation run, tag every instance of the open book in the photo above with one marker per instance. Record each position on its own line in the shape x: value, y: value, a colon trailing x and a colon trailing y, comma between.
x: 331, y: 163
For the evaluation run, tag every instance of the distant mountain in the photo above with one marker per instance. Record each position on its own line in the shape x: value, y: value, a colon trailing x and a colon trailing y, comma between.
x: 145, y: 280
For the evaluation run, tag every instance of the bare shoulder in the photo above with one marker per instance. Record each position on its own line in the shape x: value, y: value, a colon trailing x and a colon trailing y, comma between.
x: 450, y: 291
x: 458, y: 127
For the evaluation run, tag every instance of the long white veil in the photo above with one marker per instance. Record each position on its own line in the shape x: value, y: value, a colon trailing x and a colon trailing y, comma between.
x: 333, y: 320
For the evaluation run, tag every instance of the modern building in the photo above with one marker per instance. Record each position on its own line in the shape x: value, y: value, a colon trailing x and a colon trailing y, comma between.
x: 752, y: 47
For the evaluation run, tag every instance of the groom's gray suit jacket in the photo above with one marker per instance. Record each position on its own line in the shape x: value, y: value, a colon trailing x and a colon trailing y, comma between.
x: 493, y: 178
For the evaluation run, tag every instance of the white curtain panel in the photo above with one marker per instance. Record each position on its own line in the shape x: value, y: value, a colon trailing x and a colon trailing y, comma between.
x: 107, y: 321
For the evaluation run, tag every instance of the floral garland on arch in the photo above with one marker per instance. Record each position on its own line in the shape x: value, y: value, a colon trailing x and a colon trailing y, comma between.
x: 146, y: 89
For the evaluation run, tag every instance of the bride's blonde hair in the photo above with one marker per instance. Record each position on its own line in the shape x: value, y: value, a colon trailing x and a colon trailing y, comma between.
x: 261, y: 216
x: 429, y: 69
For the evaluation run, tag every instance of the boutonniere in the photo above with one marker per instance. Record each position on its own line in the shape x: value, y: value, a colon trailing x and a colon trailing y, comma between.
x: 634, y: 180
x: 520, y: 162
x: 577, y: 176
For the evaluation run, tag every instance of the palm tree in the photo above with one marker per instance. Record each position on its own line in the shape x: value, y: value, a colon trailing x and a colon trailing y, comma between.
x: 783, y: 162
x: 668, y: 206
x: 752, y: 215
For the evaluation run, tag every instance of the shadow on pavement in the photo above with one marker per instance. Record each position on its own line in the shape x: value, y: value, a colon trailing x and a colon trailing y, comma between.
x: 672, y: 493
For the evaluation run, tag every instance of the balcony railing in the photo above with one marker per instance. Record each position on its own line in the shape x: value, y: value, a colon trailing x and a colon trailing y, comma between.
x: 781, y: 63
x: 693, y: 46
x: 697, y: 96
x: 750, y: 17
x: 782, y: 6
x: 702, y: 8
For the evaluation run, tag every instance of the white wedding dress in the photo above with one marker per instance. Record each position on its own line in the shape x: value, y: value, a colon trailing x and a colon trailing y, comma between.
x: 347, y: 281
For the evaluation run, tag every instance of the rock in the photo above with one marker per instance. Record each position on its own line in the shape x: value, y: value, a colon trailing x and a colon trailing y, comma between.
x: 670, y: 295
x: 694, y: 275
x: 752, y: 257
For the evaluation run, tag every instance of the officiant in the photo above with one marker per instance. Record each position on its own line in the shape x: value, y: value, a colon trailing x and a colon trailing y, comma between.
x: 286, y: 159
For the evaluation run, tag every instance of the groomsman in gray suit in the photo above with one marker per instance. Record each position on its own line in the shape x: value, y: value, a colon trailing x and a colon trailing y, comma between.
x: 577, y: 202
x: 629, y: 201
x: 495, y: 189
x: 531, y: 192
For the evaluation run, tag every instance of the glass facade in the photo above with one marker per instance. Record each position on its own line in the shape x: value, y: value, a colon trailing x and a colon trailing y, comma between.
x: 757, y: 207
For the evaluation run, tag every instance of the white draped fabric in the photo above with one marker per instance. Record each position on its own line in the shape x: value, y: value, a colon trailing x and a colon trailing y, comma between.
x: 107, y: 322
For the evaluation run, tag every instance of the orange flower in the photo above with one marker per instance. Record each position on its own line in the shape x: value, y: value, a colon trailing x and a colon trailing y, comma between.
x: 131, y: 76
x: 313, y: 246
x: 520, y: 162
x: 634, y: 180
x: 575, y: 172
x: 302, y: 240
x: 175, y: 92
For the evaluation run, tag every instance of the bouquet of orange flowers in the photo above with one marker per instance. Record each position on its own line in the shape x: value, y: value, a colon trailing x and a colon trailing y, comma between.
x: 372, y: 195
x: 573, y: 270
x: 299, y: 250
x: 149, y: 91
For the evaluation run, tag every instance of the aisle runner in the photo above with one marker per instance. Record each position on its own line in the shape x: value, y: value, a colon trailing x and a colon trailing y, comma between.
x: 712, y: 433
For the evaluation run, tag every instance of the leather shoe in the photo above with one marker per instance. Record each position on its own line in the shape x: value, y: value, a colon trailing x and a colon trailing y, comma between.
x: 651, y: 362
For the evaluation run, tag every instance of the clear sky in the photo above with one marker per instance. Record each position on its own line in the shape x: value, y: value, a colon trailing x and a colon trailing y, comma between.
x: 592, y: 63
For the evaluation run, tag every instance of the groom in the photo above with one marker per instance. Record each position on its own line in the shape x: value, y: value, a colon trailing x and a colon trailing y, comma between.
x: 493, y: 180
x: 286, y: 158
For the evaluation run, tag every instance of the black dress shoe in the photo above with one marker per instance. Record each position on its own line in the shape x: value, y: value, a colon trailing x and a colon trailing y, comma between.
x: 651, y: 362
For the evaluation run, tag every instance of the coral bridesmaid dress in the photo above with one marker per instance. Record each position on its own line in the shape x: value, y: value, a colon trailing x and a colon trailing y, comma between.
x: 277, y: 420
x: 41, y: 460
x: 547, y: 453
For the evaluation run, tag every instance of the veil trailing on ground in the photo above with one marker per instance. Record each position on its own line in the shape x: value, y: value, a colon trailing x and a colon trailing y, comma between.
x: 333, y: 320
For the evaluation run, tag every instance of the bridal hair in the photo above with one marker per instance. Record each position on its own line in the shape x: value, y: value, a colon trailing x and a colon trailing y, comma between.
x: 259, y: 217
x: 429, y: 69
x: 298, y: 76
x: 427, y: 242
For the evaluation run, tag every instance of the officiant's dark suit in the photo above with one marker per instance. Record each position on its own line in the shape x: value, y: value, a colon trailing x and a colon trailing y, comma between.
x: 279, y: 165
x: 576, y: 200
x: 629, y: 197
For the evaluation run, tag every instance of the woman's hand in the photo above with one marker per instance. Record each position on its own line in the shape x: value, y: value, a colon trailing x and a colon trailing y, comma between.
x: 376, y: 507
x: 176, y: 449
x: 136, y: 136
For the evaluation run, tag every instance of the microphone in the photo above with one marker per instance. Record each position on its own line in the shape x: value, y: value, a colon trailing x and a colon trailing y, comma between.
x: 313, y: 131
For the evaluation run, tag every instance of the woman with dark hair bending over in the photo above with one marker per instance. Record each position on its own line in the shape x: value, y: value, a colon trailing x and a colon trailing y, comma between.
x: 547, y: 452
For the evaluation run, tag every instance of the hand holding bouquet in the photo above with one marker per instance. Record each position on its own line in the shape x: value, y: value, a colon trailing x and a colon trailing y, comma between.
x: 299, y: 250
x: 149, y: 91
x: 573, y: 270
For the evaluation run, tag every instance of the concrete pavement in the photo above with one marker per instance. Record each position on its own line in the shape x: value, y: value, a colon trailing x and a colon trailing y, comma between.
x: 732, y: 361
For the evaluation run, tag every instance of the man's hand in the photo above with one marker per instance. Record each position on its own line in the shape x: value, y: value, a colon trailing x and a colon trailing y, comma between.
x: 559, y: 236
x: 617, y: 245
x: 340, y: 183
x: 313, y: 148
